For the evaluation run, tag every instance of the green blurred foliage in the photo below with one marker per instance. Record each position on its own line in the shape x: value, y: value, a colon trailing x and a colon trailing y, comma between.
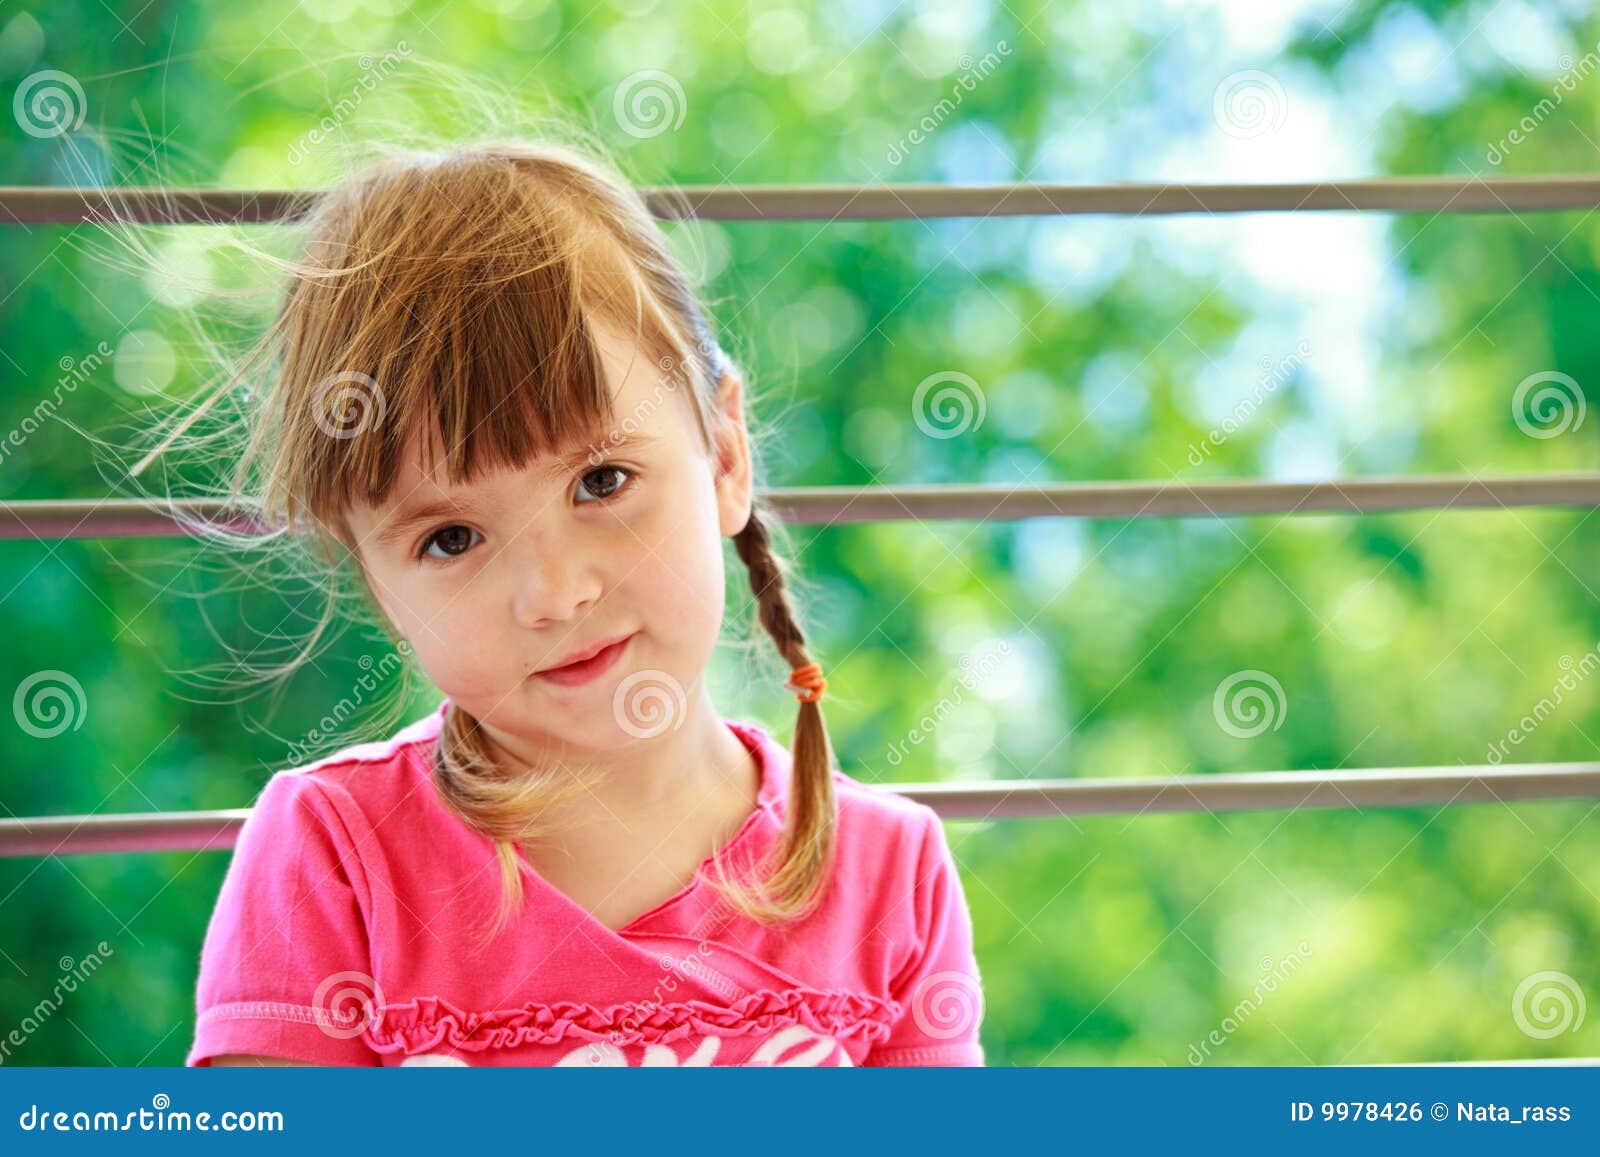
x: 1105, y: 349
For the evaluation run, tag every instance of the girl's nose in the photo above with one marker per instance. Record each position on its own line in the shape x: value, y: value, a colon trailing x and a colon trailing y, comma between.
x: 552, y: 587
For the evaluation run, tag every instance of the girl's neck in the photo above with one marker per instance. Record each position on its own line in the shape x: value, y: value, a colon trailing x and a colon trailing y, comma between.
x: 698, y: 764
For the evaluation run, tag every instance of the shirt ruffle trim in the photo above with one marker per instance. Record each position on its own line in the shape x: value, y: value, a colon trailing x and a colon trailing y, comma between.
x: 427, y: 1023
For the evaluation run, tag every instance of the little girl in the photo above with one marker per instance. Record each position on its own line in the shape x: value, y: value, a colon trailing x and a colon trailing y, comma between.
x: 498, y: 401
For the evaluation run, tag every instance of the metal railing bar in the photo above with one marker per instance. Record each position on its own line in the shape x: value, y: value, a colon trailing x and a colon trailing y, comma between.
x: 1437, y: 194
x: 824, y: 505
x: 1006, y: 799
x: 1260, y: 790
x: 152, y: 832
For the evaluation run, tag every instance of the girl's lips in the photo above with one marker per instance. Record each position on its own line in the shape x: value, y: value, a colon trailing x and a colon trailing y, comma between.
x: 577, y: 674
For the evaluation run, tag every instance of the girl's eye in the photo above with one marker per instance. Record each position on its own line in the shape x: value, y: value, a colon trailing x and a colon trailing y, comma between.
x: 455, y: 540
x: 608, y: 488
x: 451, y: 540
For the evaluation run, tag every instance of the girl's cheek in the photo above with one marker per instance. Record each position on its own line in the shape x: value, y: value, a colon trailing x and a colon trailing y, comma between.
x: 427, y: 609
x: 689, y: 576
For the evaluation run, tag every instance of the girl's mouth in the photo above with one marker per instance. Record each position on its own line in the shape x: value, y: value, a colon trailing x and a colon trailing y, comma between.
x: 585, y: 670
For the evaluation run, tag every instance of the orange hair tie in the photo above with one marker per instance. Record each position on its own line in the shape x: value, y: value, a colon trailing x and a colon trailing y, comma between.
x: 807, y: 682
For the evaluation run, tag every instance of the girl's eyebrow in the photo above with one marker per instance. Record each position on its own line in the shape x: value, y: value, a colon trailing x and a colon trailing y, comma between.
x: 396, y: 526
x: 595, y: 450
x: 403, y: 520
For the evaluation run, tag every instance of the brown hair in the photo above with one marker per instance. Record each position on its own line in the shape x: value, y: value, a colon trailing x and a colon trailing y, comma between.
x: 457, y: 293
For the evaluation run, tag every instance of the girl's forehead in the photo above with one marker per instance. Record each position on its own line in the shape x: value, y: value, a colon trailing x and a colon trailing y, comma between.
x: 649, y: 392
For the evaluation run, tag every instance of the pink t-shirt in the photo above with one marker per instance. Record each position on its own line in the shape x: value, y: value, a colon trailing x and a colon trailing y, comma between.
x: 345, y: 930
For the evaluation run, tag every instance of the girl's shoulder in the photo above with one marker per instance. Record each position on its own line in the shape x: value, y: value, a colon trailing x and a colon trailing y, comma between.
x: 346, y: 797
x: 377, y: 768
x: 887, y: 838
x: 881, y: 809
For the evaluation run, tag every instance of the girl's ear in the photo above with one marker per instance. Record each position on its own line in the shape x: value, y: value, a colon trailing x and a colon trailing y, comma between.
x: 734, y: 482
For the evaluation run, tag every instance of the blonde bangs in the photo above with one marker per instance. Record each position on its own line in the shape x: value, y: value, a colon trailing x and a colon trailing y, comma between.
x: 451, y: 305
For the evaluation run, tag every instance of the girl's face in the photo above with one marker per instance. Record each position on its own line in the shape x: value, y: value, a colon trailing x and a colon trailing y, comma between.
x: 495, y: 583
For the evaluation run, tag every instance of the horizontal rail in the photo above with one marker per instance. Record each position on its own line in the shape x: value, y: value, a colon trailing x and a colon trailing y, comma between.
x: 38, y: 205
x: 1258, y: 790
x: 196, y: 831
x: 825, y: 505
x: 1005, y: 799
